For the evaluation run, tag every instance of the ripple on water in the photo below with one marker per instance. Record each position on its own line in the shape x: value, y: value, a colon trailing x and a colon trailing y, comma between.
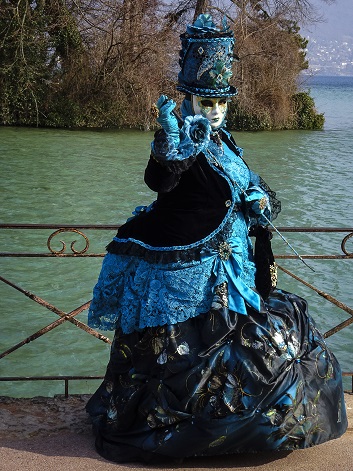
x: 56, y: 176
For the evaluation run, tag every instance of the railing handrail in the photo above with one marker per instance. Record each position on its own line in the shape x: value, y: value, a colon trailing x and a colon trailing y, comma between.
x: 65, y: 378
x: 63, y: 316
x: 61, y: 228
x: 116, y: 226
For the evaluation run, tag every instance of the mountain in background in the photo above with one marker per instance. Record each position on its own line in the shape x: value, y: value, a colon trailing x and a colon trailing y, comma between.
x: 330, y: 48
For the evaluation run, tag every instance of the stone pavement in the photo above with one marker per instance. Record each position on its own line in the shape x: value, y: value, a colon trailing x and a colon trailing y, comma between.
x: 54, y: 434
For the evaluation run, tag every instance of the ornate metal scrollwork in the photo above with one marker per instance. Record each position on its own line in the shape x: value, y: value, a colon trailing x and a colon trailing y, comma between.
x: 62, y: 251
x: 343, y: 245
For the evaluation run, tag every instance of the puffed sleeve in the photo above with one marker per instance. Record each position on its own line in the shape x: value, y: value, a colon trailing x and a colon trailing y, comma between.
x: 168, y: 161
x: 261, y: 203
x: 274, y: 202
x: 160, y: 178
x: 257, y: 205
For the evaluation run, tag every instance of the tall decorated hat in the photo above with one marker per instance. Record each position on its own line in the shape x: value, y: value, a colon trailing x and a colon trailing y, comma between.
x: 206, y: 59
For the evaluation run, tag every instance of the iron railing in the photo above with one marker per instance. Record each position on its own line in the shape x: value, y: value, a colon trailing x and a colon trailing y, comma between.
x: 65, y: 252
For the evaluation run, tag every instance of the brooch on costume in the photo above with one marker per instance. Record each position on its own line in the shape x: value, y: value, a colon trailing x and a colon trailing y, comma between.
x: 224, y: 250
x: 263, y: 203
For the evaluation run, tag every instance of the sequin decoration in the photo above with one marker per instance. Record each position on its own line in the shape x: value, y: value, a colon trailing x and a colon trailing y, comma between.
x: 273, y: 274
x: 224, y: 250
x: 263, y: 203
x: 222, y: 292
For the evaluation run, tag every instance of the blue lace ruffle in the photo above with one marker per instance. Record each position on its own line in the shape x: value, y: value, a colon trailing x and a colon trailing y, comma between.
x: 194, y: 138
x: 134, y: 292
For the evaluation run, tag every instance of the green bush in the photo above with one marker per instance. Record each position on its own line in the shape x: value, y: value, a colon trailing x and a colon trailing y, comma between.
x: 241, y: 120
x: 305, y: 114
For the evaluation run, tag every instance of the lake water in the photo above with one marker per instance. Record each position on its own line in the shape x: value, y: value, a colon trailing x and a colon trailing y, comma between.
x: 96, y: 177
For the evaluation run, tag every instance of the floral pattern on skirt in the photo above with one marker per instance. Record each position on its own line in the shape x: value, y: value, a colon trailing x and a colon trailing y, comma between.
x: 220, y: 383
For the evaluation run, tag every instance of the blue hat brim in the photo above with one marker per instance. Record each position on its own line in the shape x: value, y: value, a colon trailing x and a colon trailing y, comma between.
x: 208, y: 92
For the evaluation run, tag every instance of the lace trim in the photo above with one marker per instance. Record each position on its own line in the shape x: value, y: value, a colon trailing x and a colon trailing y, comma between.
x: 163, y: 150
x: 151, y: 254
x: 274, y: 201
x: 133, y: 293
x: 166, y: 255
x: 141, y: 286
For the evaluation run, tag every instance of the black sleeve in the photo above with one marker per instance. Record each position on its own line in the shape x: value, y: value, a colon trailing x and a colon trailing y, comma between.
x: 163, y: 175
x: 159, y: 178
x: 265, y: 275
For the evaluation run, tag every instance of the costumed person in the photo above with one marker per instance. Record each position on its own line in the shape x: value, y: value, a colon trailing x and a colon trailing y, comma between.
x: 209, y: 357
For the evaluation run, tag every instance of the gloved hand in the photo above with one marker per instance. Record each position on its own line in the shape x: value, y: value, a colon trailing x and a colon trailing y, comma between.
x: 257, y: 200
x: 167, y: 119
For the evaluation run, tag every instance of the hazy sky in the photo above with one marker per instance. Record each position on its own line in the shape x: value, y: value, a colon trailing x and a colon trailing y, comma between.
x: 338, y: 21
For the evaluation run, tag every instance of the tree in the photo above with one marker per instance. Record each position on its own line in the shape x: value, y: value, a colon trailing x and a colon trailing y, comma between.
x: 40, y: 42
x: 82, y: 63
x: 131, y: 60
x: 102, y: 63
x: 272, y: 55
x: 22, y: 59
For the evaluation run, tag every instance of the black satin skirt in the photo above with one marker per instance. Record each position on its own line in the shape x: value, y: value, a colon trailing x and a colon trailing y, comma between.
x: 220, y: 383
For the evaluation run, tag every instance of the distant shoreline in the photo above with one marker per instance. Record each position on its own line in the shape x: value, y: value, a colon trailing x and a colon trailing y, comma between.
x: 325, y: 80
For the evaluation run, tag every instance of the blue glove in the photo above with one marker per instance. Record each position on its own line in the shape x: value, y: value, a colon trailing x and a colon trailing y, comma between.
x: 257, y: 201
x: 167, y: 119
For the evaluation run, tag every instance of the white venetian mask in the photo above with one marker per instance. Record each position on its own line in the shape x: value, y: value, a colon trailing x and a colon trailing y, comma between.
x: 214, y: 109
